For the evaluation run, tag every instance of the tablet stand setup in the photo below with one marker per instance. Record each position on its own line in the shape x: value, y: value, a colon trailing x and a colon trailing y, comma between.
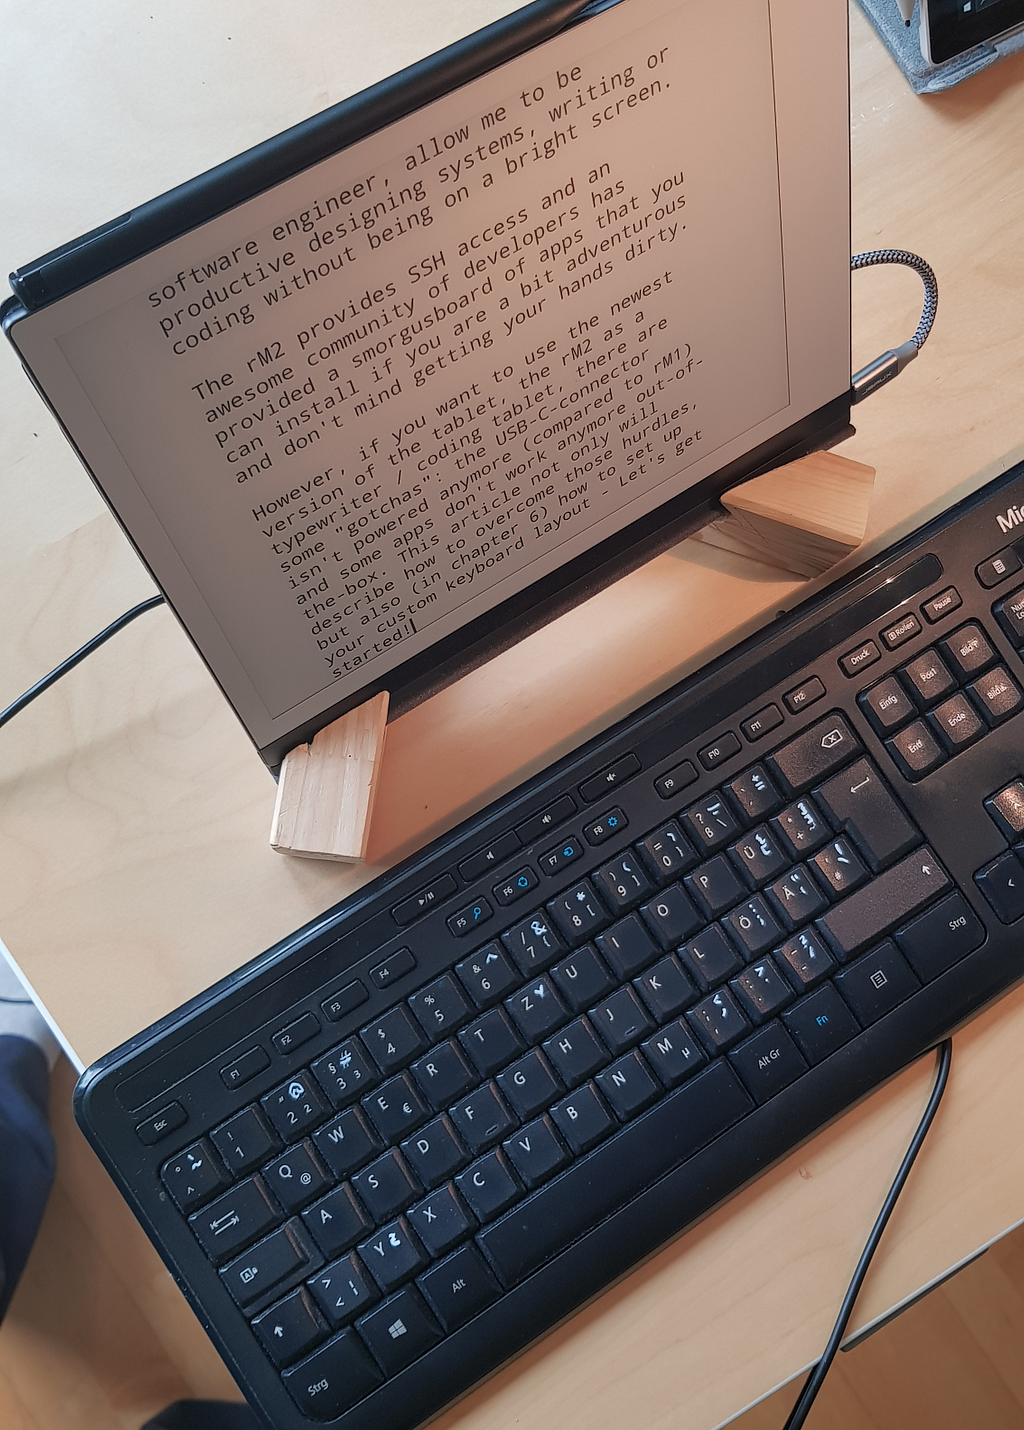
x: 801, y: 518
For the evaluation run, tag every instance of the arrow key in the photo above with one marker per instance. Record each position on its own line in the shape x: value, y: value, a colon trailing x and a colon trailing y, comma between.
x: 1002, y: 883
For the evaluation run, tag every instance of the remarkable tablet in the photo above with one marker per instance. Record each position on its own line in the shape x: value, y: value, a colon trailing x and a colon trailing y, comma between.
x: 382, y: 394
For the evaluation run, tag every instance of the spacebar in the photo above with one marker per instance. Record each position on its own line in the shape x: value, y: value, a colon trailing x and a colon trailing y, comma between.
x: 614, y: 1173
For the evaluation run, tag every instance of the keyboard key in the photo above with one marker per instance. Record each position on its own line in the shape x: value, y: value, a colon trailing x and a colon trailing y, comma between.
x: 394, y: 1040
x: 628, y: 1086
x: 711, y: 958
x: 666, y: 989
x: 710, y: 823
x: 482, y: 1118
x: 599, y: 785
x: 440, y: 1007
x: 627, y: 947
x: 435, y: 1152
x: 582, y: 978
x: 674, y: 1129
x: 392, y: 969
x: 411, y: 909
x: 720, y: 750
x: 345, y: 1073
x: 958, y: 723
x: 606, y: 827
x: 877, y: 983
x: 578, y: 913
x: 295, y: 1107
x: 488, y: 1186
x: 915, y: 750
x: 768, y: 1062
x: 343, y: 1289
x: 296, y: 1177
x: 245, y: 1141
x: 347, y: 1142
x: 887, y: 705
x: 718, y: 1021
x: 997, y: 695
x: 669, y: 784
x: 860, y: 658
x: 440, y: 1221
x: 583, y: 1119
x: 754, y: 792
x: 820, y: 1024
x: 249, y: 1065
x: 759, y: 856
x: 861, y: 805
x: 901, y: 631
x: 392, y: 1255
x: 753, y: 926
x: 839, y: 868
x: 491, y: 1042
x: 487, y: 975
x: 459, y: 1288
x: 561, y: 856
x: 533, y: 943
x: 892, y: 897
x: 929, y: 677
x: 386, y: 1186
x: 395, y: 1108
x: 761, y: 990
x: 337, y: 1222
x: 539, y: 825
x: 1010, y: 615
x: 576, y: 1052
x: 272, y: 1266
x: 671, y: 916
x: 443, y: 1074
x: 623, y: 882
x: 154, y: 1129
x: 803, y: 827
x: 770, y: 718
x: 344, y: 1001
x: 814, y: 754
x: 968, y: 650
x: 941, y: 605
x: 998, y: 567
x: 1002, y: 883
x: 496, y: 852
x: 515, y: 887
x: 290, y: 1328
x: 804, y: 695
x: 536, y: 1152
x: 529, y: 1084
x: 233, y: 1220
x: 673, y: 1054
x: 399, y: 1330
x: 333, y: 1379
x: 536, y: 1010
x: 194, y: 1176
x: 667, y: 852
x: 935, y: 940
x: 1007, y: 809
x: 621, y: 1020
x: 464, y: 921
x: 796, y: 897
x: 805, y: 960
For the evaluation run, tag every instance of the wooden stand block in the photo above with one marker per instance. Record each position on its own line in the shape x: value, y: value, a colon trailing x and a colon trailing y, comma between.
x: 325, y: 791
x: 801, y: 518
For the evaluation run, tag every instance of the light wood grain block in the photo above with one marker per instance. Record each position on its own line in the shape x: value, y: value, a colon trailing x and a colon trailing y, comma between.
x: 803, y: 517
x: 326, y: 789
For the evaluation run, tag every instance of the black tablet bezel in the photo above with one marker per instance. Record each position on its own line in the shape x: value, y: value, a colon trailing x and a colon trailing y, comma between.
x: 947, y: 31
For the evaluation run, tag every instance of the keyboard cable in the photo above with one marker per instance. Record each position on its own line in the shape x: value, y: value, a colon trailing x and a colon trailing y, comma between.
x: 818, y: 1372
x: 123, y: 620
x: 883, y: 369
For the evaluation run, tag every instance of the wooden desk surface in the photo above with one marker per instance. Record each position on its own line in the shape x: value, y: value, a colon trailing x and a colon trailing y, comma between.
x: 134, y: 864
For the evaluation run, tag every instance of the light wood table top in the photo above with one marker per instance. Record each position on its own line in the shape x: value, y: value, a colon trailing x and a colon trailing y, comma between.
x: 134, y: 863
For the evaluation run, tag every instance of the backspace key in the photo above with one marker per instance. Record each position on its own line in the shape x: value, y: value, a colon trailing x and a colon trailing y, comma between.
x: 825, y: 747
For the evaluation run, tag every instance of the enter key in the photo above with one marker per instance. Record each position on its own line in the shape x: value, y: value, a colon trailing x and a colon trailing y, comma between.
x: 862, y: 805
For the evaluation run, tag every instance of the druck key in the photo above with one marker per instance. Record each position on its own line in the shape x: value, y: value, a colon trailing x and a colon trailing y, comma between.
x: 875, y: 908
x: 671, y: 1131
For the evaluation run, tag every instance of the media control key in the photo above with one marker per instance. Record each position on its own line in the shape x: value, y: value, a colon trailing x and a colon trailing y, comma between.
x: 411, y: 909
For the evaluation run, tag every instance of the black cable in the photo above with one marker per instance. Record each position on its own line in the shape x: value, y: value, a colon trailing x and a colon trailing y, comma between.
x: 18, y: 705
x: 876, y: 374
x: 812, y: 1385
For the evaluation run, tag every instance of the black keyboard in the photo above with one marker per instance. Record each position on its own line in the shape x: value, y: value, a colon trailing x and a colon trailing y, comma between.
x: 393, y: 1150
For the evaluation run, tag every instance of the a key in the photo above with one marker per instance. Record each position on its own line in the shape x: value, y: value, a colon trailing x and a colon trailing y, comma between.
x: 582, y: 978
x: 814, y: 754
x: 440, y: 1221
x: 839, y: 867
x: 392, y: 1255
x: 536, y: 1010
x: 296, y: 1177
x: 666, y: 989
x: 443, y: 1074
x: 578, y: 913
x: 386, y: 1186
x: 667, y: 852
x: 671, y: 916
x: 623, y: 882
x: 487, y: 975
x: 343, y: 1290
x: 337, y: 1221
x: 482, y: 1118
x: 459, y: 1287
x: 576, y: 1052
x: 238, y: 1217
x: 529, y: 1084
x: 761, y: 990
x: 347, y: 1142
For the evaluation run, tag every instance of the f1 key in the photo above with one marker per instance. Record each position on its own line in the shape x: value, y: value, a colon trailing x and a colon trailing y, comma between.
x: 861, y: 805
